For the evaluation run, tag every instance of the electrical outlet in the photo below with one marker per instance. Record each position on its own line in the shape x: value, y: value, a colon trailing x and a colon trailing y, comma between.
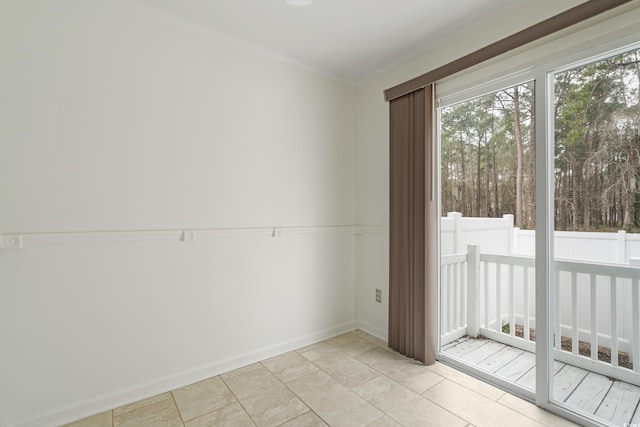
x: 188, y: 235
x: 378, y: 295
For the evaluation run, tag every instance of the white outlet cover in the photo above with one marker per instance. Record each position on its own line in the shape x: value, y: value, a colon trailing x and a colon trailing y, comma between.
x: 188, y: 235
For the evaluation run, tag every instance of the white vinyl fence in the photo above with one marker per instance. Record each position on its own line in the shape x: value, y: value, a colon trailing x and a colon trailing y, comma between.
x: 596, y: 300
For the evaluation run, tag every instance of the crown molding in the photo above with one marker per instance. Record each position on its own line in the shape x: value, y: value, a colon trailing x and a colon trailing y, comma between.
x: 229, y: 39
x: 471, y: 23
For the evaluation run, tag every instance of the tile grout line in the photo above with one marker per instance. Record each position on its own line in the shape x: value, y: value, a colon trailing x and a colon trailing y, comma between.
x: 339, y: 382
x: 329, y: 374
x: 496, y: 401
x: 293, y: 392
x: 522, y: 413
x: 507, y: 393
x: 419, y: 395
x: 236, y: 397
x: 309, y: 373
x: 348, y: 346
x: 445, y: 409
x: 403, y: 357
x: 173, y: 398
x: 360, y: 385
x: 217, y: 409
x: 468, y: 388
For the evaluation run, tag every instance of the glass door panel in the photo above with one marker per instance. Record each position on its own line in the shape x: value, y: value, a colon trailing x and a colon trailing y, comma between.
x: 596, y: 325
x: 487, y: 289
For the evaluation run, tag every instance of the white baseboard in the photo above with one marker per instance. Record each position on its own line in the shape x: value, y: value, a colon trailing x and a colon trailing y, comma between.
x: 162, y: 385
x: 372, y: 330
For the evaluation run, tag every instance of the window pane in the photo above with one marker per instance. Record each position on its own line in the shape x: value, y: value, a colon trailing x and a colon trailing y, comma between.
x: 597, y: 213
x: 488, y: 156
x: 487, y: 241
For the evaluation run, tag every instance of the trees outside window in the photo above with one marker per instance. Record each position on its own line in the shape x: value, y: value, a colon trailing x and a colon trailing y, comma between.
x: 488, y: 150
x: 596, y: 145
x: 488, y: 156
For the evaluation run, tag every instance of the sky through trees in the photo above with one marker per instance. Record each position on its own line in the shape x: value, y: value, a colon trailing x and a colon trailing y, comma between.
x: 488, y: 150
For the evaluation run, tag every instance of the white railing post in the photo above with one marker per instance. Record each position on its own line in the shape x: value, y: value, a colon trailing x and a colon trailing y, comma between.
x: 508, y: 219
x: 635, y: 329
x: 594, y: 316
x: 473, y: 289
x: 622, y: 246
x: 457, y: 233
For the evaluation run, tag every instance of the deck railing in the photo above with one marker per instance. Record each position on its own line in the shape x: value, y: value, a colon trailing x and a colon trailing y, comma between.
x: 597, y: 305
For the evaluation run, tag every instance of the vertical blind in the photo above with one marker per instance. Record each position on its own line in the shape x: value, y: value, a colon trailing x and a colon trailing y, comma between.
x: 411, y: 218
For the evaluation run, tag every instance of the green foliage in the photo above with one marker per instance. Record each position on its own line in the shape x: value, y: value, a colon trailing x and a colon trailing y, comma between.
x: 488, y: 150
x: 506, y: 327
x: 597, y: 115
x: 478, y: 153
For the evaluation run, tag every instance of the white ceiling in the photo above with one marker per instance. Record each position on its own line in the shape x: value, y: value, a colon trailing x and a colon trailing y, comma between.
x: 347, y: 38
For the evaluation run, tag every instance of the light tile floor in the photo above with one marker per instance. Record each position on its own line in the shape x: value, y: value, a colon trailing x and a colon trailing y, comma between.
x: 350, y: 380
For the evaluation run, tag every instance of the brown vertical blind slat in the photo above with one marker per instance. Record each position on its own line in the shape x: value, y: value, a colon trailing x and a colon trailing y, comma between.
x: 410, y: 186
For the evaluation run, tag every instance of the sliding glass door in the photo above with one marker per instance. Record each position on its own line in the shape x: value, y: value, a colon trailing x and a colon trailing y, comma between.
x: 596, y: 218
x: 540, y: 233
x: 487, y: 290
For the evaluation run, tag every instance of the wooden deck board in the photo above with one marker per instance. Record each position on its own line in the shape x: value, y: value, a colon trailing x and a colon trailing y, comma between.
x: 454, y: 343
x: 620, y: 403
x: 464, y: 347
x: 566, y: 380
x: 636, y: 417
x: 614, y: 401
x: 590, y: 392
x: 528, y: 380
x: 500, y: 359
x: 518, y: 367
x: 481, y: 353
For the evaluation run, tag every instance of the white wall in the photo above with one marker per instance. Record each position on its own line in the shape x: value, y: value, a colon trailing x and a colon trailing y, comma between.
x: 117, y: 131
x: 372, y: 116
